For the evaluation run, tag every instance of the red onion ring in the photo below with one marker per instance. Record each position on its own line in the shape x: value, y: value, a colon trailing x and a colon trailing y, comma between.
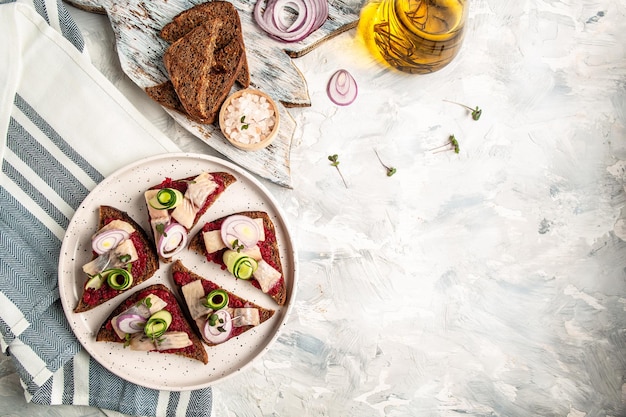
x: 241, y: 228
x: 130, y: 323
x: 108, y: 240
x: 220, y: 332
x: 342, y: 88
x: 173, y: 240
x: 311, y: 14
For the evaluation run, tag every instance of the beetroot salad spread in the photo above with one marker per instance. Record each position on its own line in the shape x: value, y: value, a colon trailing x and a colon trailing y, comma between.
x: 180, y: 185
x: 139, y: 266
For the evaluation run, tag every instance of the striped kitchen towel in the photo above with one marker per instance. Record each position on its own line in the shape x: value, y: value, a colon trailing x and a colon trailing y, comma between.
x: 65, y: 128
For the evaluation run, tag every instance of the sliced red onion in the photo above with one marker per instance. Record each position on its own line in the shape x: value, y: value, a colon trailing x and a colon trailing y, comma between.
x: 173, y: 240
x: 130, y: 323
x: 242, y: 229
x: 311, y: 14
x: 342, y: 88
x: 107, y: 240
x: 221, y: 329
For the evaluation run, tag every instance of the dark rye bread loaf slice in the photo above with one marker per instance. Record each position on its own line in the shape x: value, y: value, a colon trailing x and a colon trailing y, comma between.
x: 141, y: 270
x: 269, y: 249
x: 201, y: 77
x: 218, y: 54
x: 179, y: 323
x: 165, y: 94
x: 183, y: 276
x: 189, y: 19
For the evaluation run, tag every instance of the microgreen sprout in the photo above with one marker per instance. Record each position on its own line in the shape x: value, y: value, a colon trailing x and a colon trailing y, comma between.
x: 476, y: 112
x: 215, y: 321
x: 237, y: 246
x: 452, y: 144
x: 160, y: 228
x: 244, y: 125
x: 213, y: 318
x: 334, y: 159
x: 390, y: 170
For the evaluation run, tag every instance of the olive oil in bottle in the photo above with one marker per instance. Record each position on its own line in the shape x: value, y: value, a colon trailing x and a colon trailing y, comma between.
x: 414, y: 36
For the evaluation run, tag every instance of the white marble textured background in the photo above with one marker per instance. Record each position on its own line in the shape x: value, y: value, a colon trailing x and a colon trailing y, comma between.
x: 488, y: 283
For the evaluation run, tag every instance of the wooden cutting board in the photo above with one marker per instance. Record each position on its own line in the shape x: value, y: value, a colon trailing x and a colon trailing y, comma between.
x: 136, y: 24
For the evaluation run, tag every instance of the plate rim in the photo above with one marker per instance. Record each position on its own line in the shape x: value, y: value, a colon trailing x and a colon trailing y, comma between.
x: 291, y: 252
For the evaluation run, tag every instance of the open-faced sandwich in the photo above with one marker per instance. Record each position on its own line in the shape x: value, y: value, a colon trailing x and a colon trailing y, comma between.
x: 218, y: 315
x: 245, y: 244
x: 175, y: 206
x: 151, y: 320
x: 123, y: 258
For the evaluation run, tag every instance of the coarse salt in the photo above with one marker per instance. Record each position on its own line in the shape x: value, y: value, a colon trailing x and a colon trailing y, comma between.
x: 249, y: 118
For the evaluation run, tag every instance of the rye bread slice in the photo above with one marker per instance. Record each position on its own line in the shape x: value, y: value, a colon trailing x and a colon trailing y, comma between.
x: 269, y: 249
x: 165, y: 94
x: 179, y: 323
x: 183, y: 275
x: 142, y: 269
x: 201, y: 80
x: 223, y: 180
x: 189, y: 19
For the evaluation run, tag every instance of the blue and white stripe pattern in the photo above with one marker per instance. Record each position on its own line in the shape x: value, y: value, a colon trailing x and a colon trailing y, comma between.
x: 43, y: 179
x: 57, y: 16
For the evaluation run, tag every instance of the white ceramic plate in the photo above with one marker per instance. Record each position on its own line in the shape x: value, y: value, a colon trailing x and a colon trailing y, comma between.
x: 124, y: 189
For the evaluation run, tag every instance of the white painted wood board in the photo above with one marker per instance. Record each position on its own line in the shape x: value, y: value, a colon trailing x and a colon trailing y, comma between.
x: 136, y: 24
